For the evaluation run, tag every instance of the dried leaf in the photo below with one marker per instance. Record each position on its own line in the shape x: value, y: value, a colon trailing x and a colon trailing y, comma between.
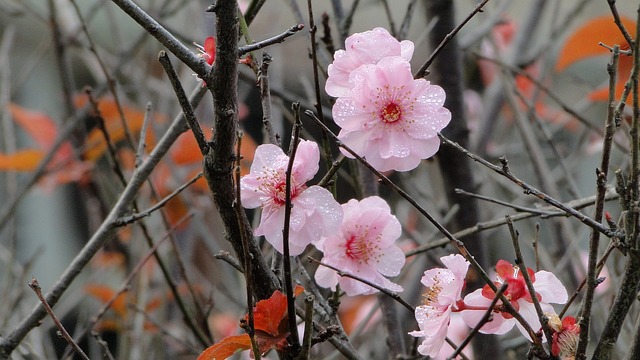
x: 269, y: 313
x: 105, y: 294
x: 226, y: 347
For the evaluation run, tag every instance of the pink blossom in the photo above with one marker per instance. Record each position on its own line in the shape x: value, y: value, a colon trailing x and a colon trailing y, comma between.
x: 548, y: 290
x: 444, y: 288
x: 363, y: 246
x: 315, y: 212
x: 367, y: 47
x: 565, y: 336
x: 391, y: 119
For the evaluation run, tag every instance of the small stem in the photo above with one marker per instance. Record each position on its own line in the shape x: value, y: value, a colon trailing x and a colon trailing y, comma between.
x: 142, y: 143
x: 383, y: 290
x: 308, y: 327
x: 267, y: 42
x: 190, y: 116
x: 544, y: 321
x: 485, y: 318
x: 423, y: 69
x: 288, y: 283
x: 250, y: 328
x: 326, y: 149
x: 35, y: 286
x: 265, y: 99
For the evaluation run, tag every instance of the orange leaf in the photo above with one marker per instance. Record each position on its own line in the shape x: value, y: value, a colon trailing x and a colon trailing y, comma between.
x: 226, y: 347
x: 269, y: 313
x: 108, y: 108
x: 24, y: 160
x: 38, y: 125
x: 583, y: 43
x: 105, y: 294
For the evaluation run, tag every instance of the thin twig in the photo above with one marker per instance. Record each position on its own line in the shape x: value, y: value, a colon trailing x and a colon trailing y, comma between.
x: 517, y: 208
x: 142, y: 143
x: 265, y: 99
x: 188, y: 57
x: 383, y: 290
x: 126, y: 284
x: 544, y: 320
x: 345, y: 25
x: 226, y: 257
x: 459, y: 245
x: 326, y: 149
x: 485, y: 318
x: 102, y: 234
x: 618, y: 22
x: 392, y: 24
x: 406, y: 22
x: 601, y: 180
x: 288, y: 282
x: 575, y: 204
x: 126, y: 220
x: 267, y: 42
x: 250, y: 327
x: 187, y: 110
x: 33, y: 284
x: 423, y: 69
x: 530, y: 190
x: 308, y: 326
x: 103, y: 345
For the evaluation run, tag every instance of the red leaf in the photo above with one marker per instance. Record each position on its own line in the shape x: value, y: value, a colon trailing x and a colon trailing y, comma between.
x: 583, y: 43
x: 226, y: 347
x: 269, y: 313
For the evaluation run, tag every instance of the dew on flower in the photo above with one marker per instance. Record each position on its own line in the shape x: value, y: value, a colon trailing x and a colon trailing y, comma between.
x: 364, y: 245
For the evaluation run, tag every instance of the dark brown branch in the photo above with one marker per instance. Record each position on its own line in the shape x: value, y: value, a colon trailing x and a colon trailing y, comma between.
x: 220, y: 161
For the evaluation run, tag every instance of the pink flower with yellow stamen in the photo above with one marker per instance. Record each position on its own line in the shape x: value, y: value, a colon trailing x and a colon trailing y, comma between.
x: 363, y: 246
x: 314, y: 211
x: 388, y: 117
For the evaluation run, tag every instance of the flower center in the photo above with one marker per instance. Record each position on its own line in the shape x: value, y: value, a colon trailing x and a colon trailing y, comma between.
x: 430, y: 297
x: 391, y: 113
x: 362, y: 249
x: 279, y: 192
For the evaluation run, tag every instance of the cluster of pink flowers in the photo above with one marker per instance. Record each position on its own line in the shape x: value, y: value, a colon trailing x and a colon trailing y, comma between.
x: 392, y: 120
x: 443, y: 296
x: 385, y: 114
x: 360, y: 242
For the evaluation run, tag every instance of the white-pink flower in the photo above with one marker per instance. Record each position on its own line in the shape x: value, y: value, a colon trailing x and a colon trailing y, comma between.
x: 315, y: 213
x: 390, y: 118
x: 444, y: 289
x: 548, y: 290
x: 363, y: 246
x: 367, y: 47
